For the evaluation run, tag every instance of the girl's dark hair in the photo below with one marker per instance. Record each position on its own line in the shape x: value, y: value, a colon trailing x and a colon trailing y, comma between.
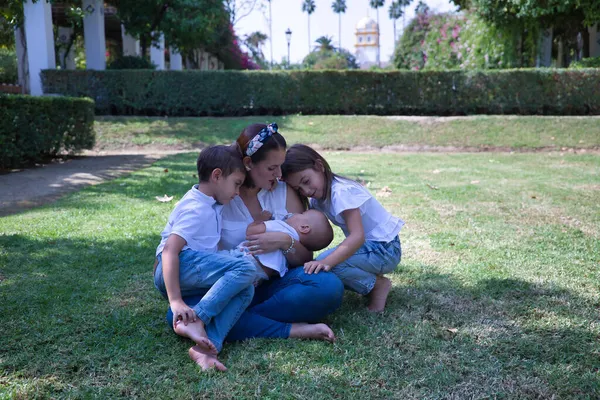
x: 274, y: 142
x: 225, y: 158
x: 300, y: 157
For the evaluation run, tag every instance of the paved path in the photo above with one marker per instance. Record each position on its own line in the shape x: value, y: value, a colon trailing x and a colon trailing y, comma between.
x: 36, y: 186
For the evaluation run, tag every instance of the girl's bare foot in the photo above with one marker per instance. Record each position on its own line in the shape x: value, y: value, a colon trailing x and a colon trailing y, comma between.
x: 205, y: 360
x: 378, y: 296
x: 196, y: 332
x: 312, y: 331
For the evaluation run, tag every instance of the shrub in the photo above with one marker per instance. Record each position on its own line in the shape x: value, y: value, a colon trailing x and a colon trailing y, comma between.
x: 233, y: 93
x: 8, y: 66
x: 36, y: 128
x: 592, y: 62
x: 131, y: 62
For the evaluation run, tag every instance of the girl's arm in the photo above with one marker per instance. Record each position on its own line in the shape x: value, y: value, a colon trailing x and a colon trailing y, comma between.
x: 170, y: 266
x: 347, y: 248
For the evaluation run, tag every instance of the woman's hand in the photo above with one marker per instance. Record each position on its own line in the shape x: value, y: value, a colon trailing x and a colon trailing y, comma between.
x: 268, y: 242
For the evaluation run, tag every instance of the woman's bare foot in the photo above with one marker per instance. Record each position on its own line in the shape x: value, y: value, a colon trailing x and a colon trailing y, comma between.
x: 205, y: 360
x: 196, y: 332
x: 312, y: 331
x: 378, y: 296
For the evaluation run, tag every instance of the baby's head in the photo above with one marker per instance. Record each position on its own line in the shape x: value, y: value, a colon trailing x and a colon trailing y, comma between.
x: 313, y: 228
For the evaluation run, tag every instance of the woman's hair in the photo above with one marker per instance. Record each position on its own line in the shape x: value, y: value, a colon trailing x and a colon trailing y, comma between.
x: 300, y: 157
x: 273, y: 142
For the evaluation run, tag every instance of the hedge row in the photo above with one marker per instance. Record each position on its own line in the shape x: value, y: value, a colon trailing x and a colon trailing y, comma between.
x: 36, y: 128
x: 231, y: 93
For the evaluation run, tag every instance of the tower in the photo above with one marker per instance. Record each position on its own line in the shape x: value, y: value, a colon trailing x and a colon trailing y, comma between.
x: 367, y: 39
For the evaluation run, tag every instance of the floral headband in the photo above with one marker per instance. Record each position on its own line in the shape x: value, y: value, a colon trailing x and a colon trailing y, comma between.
x: 260, y: 138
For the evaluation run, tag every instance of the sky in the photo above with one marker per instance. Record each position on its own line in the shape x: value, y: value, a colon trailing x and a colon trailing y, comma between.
x: 324, y: 22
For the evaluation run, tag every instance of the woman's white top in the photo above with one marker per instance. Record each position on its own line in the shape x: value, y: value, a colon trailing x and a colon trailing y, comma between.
x: 236, y: 217
x: 379, y: 225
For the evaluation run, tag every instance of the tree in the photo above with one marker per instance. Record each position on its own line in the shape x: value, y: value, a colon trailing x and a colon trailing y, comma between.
x: 404, y: 4
x: 339, y: 7
x: 376, y: 4
x: 422, y: 8
x: 308, y: 6
x: 395, y: 12
x: 254, y: 42
x: 240, y: 9
x: 325, y: 43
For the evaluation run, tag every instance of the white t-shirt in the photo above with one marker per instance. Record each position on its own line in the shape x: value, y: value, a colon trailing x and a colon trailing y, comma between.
x: 275, y: 260
x: 379, y: 225
x: 197, y: 219
x: 237, y: 217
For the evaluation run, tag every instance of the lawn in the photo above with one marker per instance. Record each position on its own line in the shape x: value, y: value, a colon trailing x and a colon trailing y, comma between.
x: 497, y: 294
x: 348, y: 132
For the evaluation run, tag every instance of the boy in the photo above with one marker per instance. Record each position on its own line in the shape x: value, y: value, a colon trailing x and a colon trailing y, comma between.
x: 188, y: 262
x: 311, y: 228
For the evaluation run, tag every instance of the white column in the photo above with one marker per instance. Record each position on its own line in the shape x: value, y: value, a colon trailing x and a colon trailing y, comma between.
x: 22, y: 66
x: 40, y: 42
x: 594, y: 40
x: 176, y: 61
x: 93, y: 34
x: 64, y: 37
x: 131, y: 46
x: 157, y: 53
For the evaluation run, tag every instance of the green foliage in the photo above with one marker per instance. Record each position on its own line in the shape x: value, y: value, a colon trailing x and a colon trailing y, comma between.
x: 230, y: 93
x: 131, y: 62
x: 339, y: 6
x: 591, y: 62
x: 8, y: 66
x: 308, y: 6
x: 35, y: 128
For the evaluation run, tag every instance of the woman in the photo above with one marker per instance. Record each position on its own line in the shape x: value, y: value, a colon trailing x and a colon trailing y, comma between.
x: 287, y: 306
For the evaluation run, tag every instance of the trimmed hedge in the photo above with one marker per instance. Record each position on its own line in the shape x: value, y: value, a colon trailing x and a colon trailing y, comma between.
x: 233, y: 93
x: 36, y: 128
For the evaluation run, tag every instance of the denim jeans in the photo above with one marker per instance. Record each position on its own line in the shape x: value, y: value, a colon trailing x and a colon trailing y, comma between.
x: 223, y: 282
x: 279, y: 302
x: 359, y: 272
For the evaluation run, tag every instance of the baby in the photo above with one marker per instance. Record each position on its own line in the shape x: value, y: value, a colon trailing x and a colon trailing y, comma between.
x: 311, y: 228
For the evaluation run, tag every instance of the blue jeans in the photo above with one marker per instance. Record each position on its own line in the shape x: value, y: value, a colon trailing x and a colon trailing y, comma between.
x: 279, y: 302
x: 223, y: 282
x: 359, y: 272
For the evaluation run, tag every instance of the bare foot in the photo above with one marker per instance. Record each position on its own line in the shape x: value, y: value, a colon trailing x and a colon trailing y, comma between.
x: 196, y: 332
x: 312, y: 331
x: 205, y: 360
x: 379, y: 294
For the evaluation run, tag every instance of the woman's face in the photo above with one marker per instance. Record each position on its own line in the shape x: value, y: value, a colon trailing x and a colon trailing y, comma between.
x: 265, y: 173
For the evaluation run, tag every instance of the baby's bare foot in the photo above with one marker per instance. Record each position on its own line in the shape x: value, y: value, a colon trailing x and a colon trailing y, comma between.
x: 204, y: 360
x: 312, y: 331
x: 196, y: 332
x: 378, y: 296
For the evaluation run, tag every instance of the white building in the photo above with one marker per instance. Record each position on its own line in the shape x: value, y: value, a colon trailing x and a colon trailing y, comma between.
x: 367, y: 41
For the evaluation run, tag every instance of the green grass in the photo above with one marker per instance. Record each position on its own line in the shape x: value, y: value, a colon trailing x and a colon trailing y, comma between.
x: 497, y: 294
x: 345, y: 132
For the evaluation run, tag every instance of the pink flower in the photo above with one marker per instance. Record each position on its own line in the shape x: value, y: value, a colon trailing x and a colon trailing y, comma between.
x: 455, y: 31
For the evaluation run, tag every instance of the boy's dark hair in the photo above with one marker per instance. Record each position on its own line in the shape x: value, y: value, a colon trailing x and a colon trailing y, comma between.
x: 226, y: 158
x: 300, y: 157
x: 274, y: 142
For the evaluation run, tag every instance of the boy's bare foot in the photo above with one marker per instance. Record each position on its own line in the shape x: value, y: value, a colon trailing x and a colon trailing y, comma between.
x: 312, y: 331
x: 205, y: 360
x: 196, y: 332
x: 378, y: 296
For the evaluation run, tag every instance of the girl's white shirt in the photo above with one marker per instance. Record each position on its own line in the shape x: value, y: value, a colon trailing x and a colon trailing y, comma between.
x: 379, y: 225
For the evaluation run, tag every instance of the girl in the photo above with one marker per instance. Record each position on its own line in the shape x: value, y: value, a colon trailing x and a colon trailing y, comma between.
x: 372, y: 245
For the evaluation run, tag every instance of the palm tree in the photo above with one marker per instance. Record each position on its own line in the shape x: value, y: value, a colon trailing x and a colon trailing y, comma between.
x: 395, y: 12
x: 254, y: 42
x: 376, y: 4
x: 325, y: 43
x: 308, y: 6
x: 404, y: 4
x: 271, y: 33
x: 339, y: 7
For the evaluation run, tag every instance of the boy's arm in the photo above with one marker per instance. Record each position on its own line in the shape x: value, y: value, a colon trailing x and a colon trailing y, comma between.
x: 170, y: 265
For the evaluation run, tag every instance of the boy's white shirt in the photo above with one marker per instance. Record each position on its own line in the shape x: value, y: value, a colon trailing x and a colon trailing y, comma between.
x: 379, y: 225
x: 197, y: 219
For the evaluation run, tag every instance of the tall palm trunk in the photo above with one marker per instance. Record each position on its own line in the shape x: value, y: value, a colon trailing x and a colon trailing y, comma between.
x: 309, y: 33
x: 340, y: 29
x: 378, y: 37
